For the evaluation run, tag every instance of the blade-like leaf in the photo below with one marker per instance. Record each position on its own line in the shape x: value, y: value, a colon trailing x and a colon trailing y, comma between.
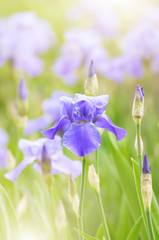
x: 86, y: 236
x: 100, y: 232
x: 134, y: 232
x: 9, y: 225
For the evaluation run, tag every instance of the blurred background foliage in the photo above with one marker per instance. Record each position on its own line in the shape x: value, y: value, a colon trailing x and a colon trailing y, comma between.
x: 38, y: 216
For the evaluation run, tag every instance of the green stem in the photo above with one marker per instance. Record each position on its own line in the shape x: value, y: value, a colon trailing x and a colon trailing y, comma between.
x: 82, y: 194
x: 149, y: 223
x: 139, y: 152
x: 107, y: 235
x: 105, y: 226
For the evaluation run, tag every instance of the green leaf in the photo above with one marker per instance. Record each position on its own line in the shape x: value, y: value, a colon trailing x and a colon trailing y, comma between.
x: 86, y: 236
x: 9, y: 225
x: 124, y: 224
x: 100, y: 232
x: 134, y: 232
x: 138, y: 189
x: 155, y: 212
x: 126, y: 179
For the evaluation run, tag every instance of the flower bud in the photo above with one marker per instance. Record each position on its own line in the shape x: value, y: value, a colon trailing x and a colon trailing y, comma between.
x: 11, y: 162
x: 22, y: 104
x: 22, y: 90
x: 60, y: 218
x: 93, y: 178
x: 91, y: 82
x: 22, y: 206
x: 45, y: 161
x: 138, y: 104
x: 73, y: 195
x: 146, y: 184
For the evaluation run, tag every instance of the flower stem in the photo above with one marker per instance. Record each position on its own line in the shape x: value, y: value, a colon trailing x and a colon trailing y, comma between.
x: 82, y: 194
x: 139, y: 151
x: 107, y: 235
x: 106, y: 231
x: 149, y: 223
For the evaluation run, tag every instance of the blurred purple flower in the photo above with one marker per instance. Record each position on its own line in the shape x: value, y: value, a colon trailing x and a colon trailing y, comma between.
x: 81, y: 46
x: 41, y: 150
x: 23, y: 36
x: 81, y: 117
x: 100, y: 15
x: 52, y: 110
x: 3, y: 148
x: 22, y: 90
x: 119, y: 67
x: 142, y: 40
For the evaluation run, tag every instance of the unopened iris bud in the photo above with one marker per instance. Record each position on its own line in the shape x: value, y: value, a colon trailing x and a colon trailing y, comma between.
x: 91, y: 82
x: 93, y: 178
x: 146, y: 184
x: 138, y: 104
x: 73, y: 195
x: 45, y: 161
x: 22, y: 104
x: 22, y: 90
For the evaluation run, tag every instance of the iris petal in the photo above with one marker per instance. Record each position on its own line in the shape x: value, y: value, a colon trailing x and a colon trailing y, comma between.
x: 50, y: 133
x: 13, y: 175
x: 82, y: 139
x: 105, y: 122
x: 63, y: 164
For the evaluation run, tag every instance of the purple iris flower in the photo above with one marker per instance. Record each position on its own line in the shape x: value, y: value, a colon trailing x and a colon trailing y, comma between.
x: 80, y: 47
x: 81, y: 117
x: 143, y: 40
x: 22, y: 90
x: 119, y: 67
x: 146, y: 165
x: 3, y: 148
x: 52, y: 111
x: 22, y: 37
x: 39, y: 152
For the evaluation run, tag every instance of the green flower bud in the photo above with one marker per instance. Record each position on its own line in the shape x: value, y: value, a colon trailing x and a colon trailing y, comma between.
x: 93, y: 178
x: 91, y: 82
x: 138, y: 104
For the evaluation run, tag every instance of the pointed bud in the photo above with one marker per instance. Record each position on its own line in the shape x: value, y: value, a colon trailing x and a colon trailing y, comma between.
x: 60, y: 218
x: 93, y: 178
x: 22, y: 90
x: 11, y: 162
x: 22, y: 206
x: 45, y: 161
x: 91, y: 82
x: 138, y: 104
x: 146, y: 184
x: 73, y: 195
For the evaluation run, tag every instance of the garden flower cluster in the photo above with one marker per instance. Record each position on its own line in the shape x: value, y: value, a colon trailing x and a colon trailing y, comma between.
x: 24, y: 36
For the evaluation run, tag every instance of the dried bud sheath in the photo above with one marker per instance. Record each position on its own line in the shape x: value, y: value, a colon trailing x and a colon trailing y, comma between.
x: 73, y: 195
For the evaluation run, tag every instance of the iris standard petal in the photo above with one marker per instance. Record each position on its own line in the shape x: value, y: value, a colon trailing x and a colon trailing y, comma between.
x: 105, y: 122
x: 82, y: 139
x: 63, y: 164
x: 50, y: 133
x: 13, y: 175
